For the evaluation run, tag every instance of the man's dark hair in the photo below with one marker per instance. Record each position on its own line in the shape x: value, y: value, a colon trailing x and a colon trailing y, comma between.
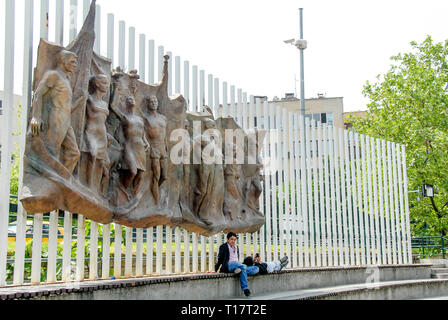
x: 231, y: 234
x: 249, y: 261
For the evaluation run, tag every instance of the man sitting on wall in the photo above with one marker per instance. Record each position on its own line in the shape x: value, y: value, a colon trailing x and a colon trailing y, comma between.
x: 228, y: 262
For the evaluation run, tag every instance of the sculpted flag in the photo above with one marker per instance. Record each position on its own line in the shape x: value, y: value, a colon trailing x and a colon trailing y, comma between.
x: 99, y: 143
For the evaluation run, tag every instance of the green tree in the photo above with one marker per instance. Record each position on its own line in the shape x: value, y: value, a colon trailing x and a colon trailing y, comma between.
x: 409, y: 105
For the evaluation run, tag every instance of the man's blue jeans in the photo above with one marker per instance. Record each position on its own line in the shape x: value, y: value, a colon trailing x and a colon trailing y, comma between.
x: 245, y: 271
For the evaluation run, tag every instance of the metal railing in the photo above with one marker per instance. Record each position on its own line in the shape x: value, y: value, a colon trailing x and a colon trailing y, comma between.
x: 434, y: 246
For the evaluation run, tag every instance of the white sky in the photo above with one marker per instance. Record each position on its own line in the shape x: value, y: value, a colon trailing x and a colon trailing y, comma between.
x: 241, y: 41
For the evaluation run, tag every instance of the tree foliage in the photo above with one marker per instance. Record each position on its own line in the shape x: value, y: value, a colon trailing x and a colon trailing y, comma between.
x: 409, y: 105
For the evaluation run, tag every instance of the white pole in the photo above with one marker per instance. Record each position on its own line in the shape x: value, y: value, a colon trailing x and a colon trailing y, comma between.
x: 195, y: 97
x: 177, y: 255
x: 210, y: 91
x: 386, y: 202
x: 225, y: 104
x: 170, y: 73
x: 97, y: 44
x: 149, y: 251
x: 261, y: 239
x: 105, y: 265
x: 340, y: 225
x: 85, y: 9
x: 383, y: 257
x: 359, y: 160
x: 44, y: 18
x: 169, y: 250
x: 349, y: 188
x: 121, y: 44
x: 195, y: 268
x: 159, y: 250
x: 295, y: 191
x: 177, y: 75
x: 26, y: 93
x: 161, y: 53
x: 111, y: 37
x: 353, y: 158
x: 274, y: 145
x: 117, y: 250
x: 211, y: 253
x: 285, y: 182
x: 333, y: 173
x: 372, y: 246
x: 239, y: 110
x: 203, y: 254
x: 73, y: 19
x: 309, y: 227
x: 377, y: 231
x: 328, y: 249
x: 93, y: 267
x: 396, y: 204
x: 299, y: 179
x: 131, y: 48
x: 201, y: 90
x: 139, y: 253
x: 59, y: 30
x: 80, y: 248
x: 245, y: 114
x: 365, y: 206
x: 52, y: 247
x: 142, y: 57
x: 322, y: 250
x: 267, y: 176
x: 303, y: 174
x: 186, y: 251
x: 392, y: 207
x: 128, y: 252
x: 67, y: 250
x: 187, y: 83
x: 344, y: 172
x: 232, y: 102
x: 151, y: 62
x: 216, y: 110
x: 406, y: 206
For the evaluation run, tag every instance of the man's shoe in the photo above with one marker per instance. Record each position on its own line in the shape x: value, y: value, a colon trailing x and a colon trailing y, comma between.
x: 247, y: 293
x: 284, y: 259
x: 237, y: 271
x: 283, y: 265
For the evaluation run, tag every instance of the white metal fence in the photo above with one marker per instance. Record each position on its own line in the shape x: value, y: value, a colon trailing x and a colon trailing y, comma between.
x: 336, y: 198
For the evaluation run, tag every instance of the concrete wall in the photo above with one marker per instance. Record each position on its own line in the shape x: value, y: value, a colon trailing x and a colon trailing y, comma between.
x: 214, y: 286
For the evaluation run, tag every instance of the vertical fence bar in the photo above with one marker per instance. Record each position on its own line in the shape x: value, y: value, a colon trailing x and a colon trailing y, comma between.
x: 274, y: 158
x: 299, y: 179
x: 93, y: 266
x: 169, y: 250
x: 333, y: 223
x: 105, y: 254
x: 19, y: 259
x: 159, y: 249
x: 344, y: 172
x: 267, y: 175
x: 386, y: 201
x: 232, y: 111
x: 187, y: 83
x: 210, y: 91
x: 406, y: 206
x: 349, y: 188
x: 316, y: 167
x: 139, y: 253
x: 44, y: 17
x: 52, y: 247
x: 396, y: 205
x: 383, y: 259
x: 372, y: 246
x: 323, y: 208
x: 177, y: 75
x: 260, y: 126
x: 360, y: 202
x: 238, y: 112
x: 392, y: 207
x: 73, y: 20
x: 340, y: 224
x: 353, y: 159
x: 111, y: 37
x: 328, y: 248
x: 203, y: 254
x: 128, y: 252
x: 142, y: 58
x: 216, y: 109
x: 151, y: 62
x: 97, y: 44
x: 195, y: 267
x: 85, y: 8
x: 291, y: 240
x: 303, y: 174
x: 59, y: 29
x: 365, y: 206
x: 149, y: 251
x: 225, y: 106
x: 117, y: 250
x: 377, y: 231
x: 309, y: 227
x: 161, y: 53
x: 170, y: 72
x: 80, y: 247
x: 211, y: 253
x: 67, y: 250
x: 186, y: 251
x: 195, y: 100
x: 121, y: 44
x: 177, y: 254
x: 201, y: 90
x: 281, y: 180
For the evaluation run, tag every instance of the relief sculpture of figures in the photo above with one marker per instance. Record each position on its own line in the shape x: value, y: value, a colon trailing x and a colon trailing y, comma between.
x: 99, y: 142
x: 95, y: 160
x: 54, y: 123
x: 135, y: 146
x: 155, y: 125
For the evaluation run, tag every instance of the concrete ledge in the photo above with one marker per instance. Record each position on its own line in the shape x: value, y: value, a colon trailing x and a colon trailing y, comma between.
x: 213, y: 286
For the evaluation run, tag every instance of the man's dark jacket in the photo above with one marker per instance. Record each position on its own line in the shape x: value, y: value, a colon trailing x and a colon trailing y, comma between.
x: 263, y: 267
x: 223, y: 258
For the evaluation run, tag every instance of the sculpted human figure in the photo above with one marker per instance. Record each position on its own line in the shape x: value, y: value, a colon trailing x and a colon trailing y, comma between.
x: 206, y: 170
x: 52, y: 109
x: 135, y: 145
x: 233, y: 193
x: 155, y: 126
x: 96, y: 138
